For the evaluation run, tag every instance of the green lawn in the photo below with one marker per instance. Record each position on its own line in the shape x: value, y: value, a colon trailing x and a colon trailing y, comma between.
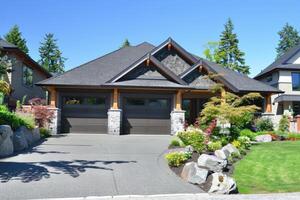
x: 270, y: 167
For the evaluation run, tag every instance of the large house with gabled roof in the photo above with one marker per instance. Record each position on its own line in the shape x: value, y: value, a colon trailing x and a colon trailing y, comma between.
x: 142, y: 89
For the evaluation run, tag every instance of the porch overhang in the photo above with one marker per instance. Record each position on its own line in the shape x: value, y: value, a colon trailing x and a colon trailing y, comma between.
x: 287, y: 97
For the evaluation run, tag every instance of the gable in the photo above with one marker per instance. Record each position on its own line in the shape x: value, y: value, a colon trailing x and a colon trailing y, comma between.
x: 294, y: 59
x: 172, y: 59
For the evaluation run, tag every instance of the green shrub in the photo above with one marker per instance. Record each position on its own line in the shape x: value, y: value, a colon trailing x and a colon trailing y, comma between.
x: 248, y: 133
x: 264, y: 124
x: 193, y: 137
x: 45, y: 133
x: 245, y: 141
x: 13, y: 120
x: 175, y: 159
x: 28, y: 120
x: 293, y: 136
x: 284, y: 124
x: 175, y: 143
x: 3, y: 108
x: 236, y: 143
x: 236, y: 155
x: 212, y: 146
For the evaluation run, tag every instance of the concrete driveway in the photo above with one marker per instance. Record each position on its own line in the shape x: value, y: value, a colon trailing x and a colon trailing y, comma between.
x: 78, y: 165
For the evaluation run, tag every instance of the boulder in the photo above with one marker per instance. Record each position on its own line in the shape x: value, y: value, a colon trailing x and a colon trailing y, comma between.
x: 220, y: 154
x: 229, y: 149
x: 6, y: 144
x: 36, y: 136
x: 211, y: 163
x: 222, y: 184
x: 189, y: 149
x: 28, y: 135
x: 19, y: 140
x: 193, y: 174
x: 263, y: 138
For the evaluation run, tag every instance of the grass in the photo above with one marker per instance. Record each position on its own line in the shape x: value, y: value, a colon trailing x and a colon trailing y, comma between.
x: 270, y: 167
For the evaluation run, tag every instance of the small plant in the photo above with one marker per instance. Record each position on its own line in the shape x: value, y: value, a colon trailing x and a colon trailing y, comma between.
x: 9, y: 118
x: 45, y: 133
x: 236, y: 143
x: 235, y: 155
x: 213, y: 146
x: 175, y: 159
x: 248, y: 133
x: 264, y: 124
x: 3, y: 108
x: 230, y: 159
x: 284, y: 124
x: 193, y: 137
x: 175, y: 143
x: 245, y: 141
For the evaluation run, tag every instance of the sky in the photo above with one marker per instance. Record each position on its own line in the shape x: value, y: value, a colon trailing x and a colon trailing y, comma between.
x: 87, y: 29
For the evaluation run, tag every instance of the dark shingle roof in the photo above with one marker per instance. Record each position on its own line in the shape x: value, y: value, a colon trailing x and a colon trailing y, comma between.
x: 4, y: 44
x: 281, y: 62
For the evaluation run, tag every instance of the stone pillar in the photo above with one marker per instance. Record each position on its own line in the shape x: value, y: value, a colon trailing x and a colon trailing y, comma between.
x: 114, y: 121
x: 54, y: 125
x: 177, y: 121
x: 298, y: 123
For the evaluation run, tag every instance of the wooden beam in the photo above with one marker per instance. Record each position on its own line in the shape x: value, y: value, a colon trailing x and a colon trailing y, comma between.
x: 169, y: 46
x: 178, y: 100
x: 115, y: 99
x: 268, y: 103
x: 148, y: 62
x: 53, y: 96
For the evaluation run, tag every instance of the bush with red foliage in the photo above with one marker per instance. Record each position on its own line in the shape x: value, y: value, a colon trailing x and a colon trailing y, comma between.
x: 37, y: 102
x: 42, y: 115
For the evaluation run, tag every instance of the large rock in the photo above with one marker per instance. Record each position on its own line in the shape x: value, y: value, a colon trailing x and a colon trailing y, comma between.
x: 211, y: 162
x: 36, y: 136
x: 6, y: 144
x: 28, y: 135
x: 222, y: 184
x: 220, y: 154
x: 19, y: 140
x: 229, y: 149
x: 193, y: 174
x: 263, y: 138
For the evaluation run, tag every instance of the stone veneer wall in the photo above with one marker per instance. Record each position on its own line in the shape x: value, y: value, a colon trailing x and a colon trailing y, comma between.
x: 114, y: 121
x: 54, y: 125
x: 177, y: 121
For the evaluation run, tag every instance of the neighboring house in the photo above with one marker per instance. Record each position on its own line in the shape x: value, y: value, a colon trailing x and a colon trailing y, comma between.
x: 23, y: 75
x: 284, y: 74
x: 140, y: 89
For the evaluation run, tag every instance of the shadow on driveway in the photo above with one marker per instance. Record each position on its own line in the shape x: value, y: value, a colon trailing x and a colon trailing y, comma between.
x: 35, y: 171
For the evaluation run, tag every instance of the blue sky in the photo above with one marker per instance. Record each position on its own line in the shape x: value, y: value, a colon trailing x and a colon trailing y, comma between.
x: 87, y: 29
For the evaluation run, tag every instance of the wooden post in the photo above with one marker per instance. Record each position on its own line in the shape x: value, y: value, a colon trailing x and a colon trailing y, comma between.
x: 53, y: 96
x: 268, y: 103
x: 178, y: 100
x: 115, y: 99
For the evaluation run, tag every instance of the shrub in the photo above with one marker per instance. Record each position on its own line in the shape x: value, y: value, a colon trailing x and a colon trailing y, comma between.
x: 175, y: 143
x: 42, y: 115
x: 236, y: 143
x: 193, y: 137
x: 175, y: 159
x: 212, y: 146
x: 45, y: 133
x: 235, y: 155
x: 3, y: 108
x: 13, y: 120
x: 245, y: 141
x: 293, y: 136
x: 37, y: 102
x: 284, y: 124
x: 28, y: 119
x: 264, y: 124
x: 248, y: 133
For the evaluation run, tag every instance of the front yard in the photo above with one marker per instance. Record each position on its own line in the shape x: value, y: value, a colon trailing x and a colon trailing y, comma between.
x: 270, y: 167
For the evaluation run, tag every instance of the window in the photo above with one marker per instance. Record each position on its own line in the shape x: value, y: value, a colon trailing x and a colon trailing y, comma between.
x: 27, y: 76
x: 296, y: 81
x: 158, y: 103
x: 296, y: 108
x: 135, y: 102
x: 269, y: 78
x: 73, y: 100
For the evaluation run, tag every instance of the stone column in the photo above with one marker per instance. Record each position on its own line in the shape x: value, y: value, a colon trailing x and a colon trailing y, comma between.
x: 114, y: 121
x: 177, y: 121
x: 54, y: 125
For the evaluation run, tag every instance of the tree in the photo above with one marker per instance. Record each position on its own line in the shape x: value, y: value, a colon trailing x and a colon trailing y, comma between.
x: 50, y: 56
x: 228, y: 53
x: 14, y: 36
x: 288, y: 38
x: 210, y: 51
x: 126, y: 43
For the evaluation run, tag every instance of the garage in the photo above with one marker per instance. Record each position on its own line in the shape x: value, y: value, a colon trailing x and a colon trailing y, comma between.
x: 84, y: 113
x: 146, y: 114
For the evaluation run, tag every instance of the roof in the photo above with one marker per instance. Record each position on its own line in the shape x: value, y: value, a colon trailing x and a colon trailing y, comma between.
x: 281, y: 62
x: 287, y: 97
x: 6, y: 46
x: 108, y: 70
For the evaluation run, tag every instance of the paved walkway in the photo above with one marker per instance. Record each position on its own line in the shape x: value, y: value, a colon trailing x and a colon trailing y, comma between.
x: 91, y: 165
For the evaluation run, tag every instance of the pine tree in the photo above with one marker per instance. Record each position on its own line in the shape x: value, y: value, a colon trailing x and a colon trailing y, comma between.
x: 50, y: 55
x: 229, y: 55
x: 126, y: 43
x: 289, y: 37
x: 14, y: 36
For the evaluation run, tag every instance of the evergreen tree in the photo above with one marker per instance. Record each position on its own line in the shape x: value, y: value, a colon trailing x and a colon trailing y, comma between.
x: 210, y: 51
x: 289, y: 37
x: 126, y: 43
x: 229, y: 55
x: 50, y: 55
x: 14, y: 36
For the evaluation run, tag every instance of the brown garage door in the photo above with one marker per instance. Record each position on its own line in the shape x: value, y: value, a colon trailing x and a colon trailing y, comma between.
x: 146, y: 115
x: 84, y: 113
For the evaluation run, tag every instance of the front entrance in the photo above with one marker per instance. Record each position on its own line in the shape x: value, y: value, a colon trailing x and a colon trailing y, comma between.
x: 193, y: 107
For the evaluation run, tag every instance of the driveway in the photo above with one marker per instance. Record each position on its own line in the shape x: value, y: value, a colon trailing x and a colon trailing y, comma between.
x: 78, y: 165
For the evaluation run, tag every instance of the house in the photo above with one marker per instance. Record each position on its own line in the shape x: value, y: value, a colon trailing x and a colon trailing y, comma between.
x: 284, y: 74
x: 24, y: 73
x: 143, y: 89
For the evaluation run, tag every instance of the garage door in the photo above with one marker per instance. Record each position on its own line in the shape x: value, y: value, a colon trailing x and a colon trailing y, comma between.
x: 84, y: 113
x: 146, y: 115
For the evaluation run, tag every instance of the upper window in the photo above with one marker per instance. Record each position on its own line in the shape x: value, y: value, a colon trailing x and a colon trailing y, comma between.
x: 27, y: 76
x: 269, y: 78
x: 296, y: 81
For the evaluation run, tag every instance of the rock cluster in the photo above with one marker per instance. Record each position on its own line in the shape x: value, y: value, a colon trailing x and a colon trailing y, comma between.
x: 19, y: 140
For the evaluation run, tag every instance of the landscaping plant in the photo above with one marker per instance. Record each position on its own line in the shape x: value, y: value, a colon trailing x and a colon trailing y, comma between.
x: 42, y: 115
x: 175, y: 159
x: 284, y: 124
x: 213, y: 146
x: 193, y: 137
x: 9, y: 118
x: 174, y: 143
x: 248, y: 133
x: 45, y: 133
x: 264, y: 124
